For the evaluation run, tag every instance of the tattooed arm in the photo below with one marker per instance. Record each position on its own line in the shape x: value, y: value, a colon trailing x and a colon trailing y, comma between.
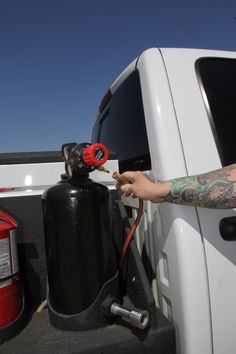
x: 216, y: 189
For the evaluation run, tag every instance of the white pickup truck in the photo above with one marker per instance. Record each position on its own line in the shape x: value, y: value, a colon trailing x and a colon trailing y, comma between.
x: 171, y: 112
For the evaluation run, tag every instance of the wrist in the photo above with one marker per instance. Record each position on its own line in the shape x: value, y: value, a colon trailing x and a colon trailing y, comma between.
x: 162, y: 190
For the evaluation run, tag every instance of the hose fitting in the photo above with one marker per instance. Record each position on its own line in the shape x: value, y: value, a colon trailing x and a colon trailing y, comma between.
x: 135, y: 317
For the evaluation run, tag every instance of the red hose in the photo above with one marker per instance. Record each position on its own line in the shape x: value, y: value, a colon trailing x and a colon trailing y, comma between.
x: 131, y: 232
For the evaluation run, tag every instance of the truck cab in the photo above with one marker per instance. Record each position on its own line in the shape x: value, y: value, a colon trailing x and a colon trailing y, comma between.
x: 171, y: 113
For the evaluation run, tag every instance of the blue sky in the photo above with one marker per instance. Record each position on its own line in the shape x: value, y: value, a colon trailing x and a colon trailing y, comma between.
x: 58, y: 57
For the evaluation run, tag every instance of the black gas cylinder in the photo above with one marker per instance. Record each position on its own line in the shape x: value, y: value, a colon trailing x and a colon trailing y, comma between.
x: 80, y: 251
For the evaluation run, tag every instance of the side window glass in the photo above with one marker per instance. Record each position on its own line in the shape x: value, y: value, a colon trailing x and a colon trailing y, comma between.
x: 218, y: 82
x: 122, y: 126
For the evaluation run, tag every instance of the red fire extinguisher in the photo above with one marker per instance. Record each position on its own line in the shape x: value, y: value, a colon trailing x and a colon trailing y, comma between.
x: 10, y: 289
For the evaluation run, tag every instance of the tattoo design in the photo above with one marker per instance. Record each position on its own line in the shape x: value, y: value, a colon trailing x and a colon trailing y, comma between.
x: 215, y: 189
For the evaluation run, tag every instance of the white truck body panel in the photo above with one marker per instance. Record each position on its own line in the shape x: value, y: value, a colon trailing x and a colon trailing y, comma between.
x: 180, y: 248
x: 201, y: 155
x: 195, y: 266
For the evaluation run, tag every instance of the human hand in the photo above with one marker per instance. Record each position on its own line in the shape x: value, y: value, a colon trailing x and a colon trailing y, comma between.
x: 141, y: 186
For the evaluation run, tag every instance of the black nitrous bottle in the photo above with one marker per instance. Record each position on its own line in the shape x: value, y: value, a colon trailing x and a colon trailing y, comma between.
x: 80, y: 251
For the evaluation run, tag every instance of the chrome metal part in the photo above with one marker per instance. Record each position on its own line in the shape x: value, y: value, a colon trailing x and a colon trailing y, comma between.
x: 137, y: 318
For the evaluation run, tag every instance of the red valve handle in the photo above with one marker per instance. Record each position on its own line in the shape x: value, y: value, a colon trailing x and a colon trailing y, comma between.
x: 95, y: 155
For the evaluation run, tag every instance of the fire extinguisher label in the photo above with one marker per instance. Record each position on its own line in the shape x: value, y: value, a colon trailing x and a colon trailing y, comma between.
x: 14, y: 258
x: 5, y: 265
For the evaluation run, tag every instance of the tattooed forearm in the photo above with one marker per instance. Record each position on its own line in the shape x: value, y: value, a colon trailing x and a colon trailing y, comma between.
x: 215, y: 189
